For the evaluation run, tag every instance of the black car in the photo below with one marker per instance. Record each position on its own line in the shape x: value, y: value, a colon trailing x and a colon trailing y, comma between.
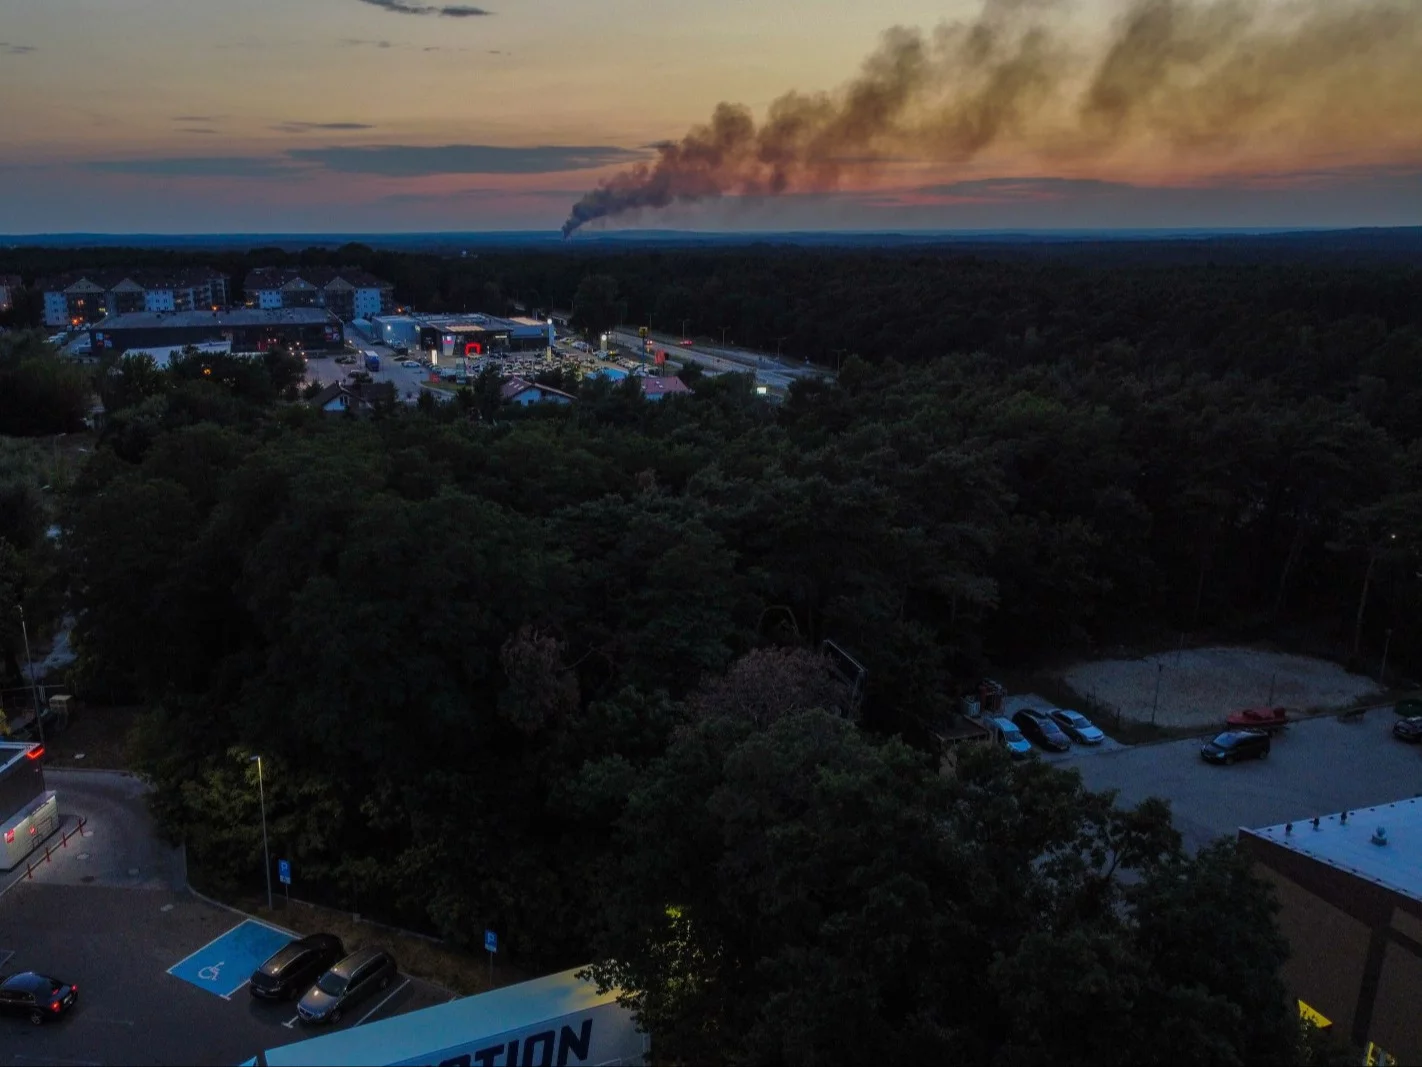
x: 295, y: 968
x: 1236, y: 745
x: 1037, y: 726
x: 1408, y: 729
x: 347, y: 983
x: 38, y: 998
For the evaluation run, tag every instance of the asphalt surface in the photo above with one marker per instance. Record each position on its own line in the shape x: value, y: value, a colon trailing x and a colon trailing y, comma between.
x: 1316, y: 767
x: 87, y: 917
x: 768, y: 370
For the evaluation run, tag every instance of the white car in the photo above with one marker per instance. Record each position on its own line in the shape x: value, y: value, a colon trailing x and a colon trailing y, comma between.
x: 410, y: 363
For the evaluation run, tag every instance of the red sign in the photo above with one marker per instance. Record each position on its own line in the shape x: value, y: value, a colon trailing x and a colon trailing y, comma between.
x: 661, y: 358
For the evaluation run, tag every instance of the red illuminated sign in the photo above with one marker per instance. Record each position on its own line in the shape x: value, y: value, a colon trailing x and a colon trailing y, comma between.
x: 475, y: 347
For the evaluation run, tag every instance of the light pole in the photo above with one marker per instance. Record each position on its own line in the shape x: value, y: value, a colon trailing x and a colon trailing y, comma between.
x: 723, y: 335
x: 34, y: 692
x: 266, y: 855
x: 683, y: 326
x: 778, y: 342
x: 1386, y: 642
x: 837, y: 352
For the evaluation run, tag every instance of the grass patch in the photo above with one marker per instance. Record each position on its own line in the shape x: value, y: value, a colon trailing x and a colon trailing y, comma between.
x: 101, y: 734
x: 448, y: 966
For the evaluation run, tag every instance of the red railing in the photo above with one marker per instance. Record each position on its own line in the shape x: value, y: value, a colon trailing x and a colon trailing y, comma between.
x: 50, y: 847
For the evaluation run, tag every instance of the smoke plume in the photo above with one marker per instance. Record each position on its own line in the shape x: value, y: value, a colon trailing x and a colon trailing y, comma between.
x: 1190, y: 88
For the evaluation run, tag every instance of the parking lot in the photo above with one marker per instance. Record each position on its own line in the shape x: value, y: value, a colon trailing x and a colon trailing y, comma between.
x: 161, y: 973
x: 1316, y: 767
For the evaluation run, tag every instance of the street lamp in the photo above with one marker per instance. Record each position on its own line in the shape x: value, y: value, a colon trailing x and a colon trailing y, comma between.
x: 266, y: 854
x: 39, y: 718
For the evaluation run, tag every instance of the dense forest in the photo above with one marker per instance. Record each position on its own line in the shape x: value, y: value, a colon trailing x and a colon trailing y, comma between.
x: 553, y: 670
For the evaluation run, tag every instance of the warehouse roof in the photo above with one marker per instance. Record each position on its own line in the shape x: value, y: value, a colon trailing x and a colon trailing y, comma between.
x: 1382, y: 844
x: 148, y: 320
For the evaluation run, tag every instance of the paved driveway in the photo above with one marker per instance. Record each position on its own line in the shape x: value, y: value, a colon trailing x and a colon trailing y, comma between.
x: 1316, y: 767
x: 111, y: 913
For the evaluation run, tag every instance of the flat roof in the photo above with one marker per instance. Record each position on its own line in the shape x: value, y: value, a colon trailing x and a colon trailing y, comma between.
x: 148, y: 320
x: 430, y: 1030
x: 1349, y: 844
x: 12, y: 752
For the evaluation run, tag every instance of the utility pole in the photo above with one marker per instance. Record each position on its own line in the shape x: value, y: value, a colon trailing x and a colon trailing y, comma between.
x: 683, y: 326
x: 1159, y: 674
x: 34, y: 691
x: 778, y: 342
x: 266, y: 853
x: 723, y: 335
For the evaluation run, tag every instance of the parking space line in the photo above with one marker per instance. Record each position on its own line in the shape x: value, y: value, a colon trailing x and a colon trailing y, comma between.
x: 382, y: 1004
x: 5, y: 955
x: 292, y: 1021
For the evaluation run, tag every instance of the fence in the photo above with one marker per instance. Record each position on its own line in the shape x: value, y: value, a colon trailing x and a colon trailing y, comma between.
x: 18, y: 705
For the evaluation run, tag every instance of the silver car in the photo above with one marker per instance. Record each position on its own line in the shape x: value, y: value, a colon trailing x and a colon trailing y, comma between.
x: 346, y: 984
x: 1077, y: 726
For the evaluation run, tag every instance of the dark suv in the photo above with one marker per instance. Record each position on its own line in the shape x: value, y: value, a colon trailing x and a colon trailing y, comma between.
x: 347, y: 983
x: 1236, y: 745
x: 1037, y: 726
x: 294, y: 969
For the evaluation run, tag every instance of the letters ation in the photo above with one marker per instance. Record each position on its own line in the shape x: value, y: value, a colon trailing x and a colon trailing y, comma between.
x: 545, y: 1054
x: 577, y: 1043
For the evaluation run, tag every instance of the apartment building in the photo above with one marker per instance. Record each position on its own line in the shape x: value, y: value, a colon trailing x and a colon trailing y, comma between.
x: 84, y: 297
x: 348, y: 292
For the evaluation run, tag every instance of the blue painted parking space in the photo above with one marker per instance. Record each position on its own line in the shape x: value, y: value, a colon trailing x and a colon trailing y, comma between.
x: 223, y: 965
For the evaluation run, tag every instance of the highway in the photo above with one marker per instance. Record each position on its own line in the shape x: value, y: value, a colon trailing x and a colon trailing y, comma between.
x: 777, y: 374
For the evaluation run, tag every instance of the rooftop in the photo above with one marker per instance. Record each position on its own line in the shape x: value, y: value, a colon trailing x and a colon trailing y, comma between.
x: 147, y: 320
x: 448, y: 1027
x: 652, y: 386
x: 318, y: 277
x: 144, y: 278
x: 1348, y: 841
x: 12, y: 752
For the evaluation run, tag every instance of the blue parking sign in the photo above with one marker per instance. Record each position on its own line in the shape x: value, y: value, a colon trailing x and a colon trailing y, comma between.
x: 491, y: 941
x: 284, y: 872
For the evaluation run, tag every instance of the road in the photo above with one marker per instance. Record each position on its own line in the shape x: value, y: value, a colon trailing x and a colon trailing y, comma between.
x: 777, y: 374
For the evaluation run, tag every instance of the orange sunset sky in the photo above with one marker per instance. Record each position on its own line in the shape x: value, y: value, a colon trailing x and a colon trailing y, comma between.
x: 204, y: 116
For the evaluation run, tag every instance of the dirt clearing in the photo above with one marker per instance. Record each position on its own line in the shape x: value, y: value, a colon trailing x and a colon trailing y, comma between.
x: 1199, y: 687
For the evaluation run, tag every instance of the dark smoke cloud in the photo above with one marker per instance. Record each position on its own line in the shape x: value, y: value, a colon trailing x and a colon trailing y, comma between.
x: 1200, y: 84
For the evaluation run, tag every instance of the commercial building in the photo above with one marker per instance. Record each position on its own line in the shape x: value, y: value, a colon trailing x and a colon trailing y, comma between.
x: 84, y: 297
x: 561, y: 1019
x: 8, y: 284
x: 245, y: 329
x: 29, y: 813
x: 348, y: 293
x: 1350, y: 890
x: 162, y: 355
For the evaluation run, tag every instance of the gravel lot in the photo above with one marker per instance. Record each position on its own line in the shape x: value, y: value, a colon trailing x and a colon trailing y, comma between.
x: 1199, y: 687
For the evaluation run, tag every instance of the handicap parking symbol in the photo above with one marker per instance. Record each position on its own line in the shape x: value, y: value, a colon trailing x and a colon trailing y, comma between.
x: 224, y: 964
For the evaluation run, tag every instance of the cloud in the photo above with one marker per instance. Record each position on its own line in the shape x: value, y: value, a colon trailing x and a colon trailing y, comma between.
x: 8, y: 49
x: 198, y: 167
x: 406, y: 161
x: 196, y: 129
x: 1016, y: 190
x: 405, y: 7
x: 384, y: 161
x: 309, y: 127
x: 198, y: 118
x: 360, y: 42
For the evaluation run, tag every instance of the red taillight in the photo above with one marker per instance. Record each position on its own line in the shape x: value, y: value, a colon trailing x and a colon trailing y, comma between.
x: 35, y: 753
x: 9, y: 837
x: 54, y: 1006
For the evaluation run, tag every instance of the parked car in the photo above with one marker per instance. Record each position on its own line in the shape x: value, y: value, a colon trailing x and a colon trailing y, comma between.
x: 1009, y: 737
x: 346, y: 984
x: 1408, y: 729
x: 1236, y: 745
x: 1076, y: 726
x: 293, y: 969
x: 38, y: 998
x: 345, y: 359
x: 1037, y: 726
x: 410, y: 363
x: 1270, y: 719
